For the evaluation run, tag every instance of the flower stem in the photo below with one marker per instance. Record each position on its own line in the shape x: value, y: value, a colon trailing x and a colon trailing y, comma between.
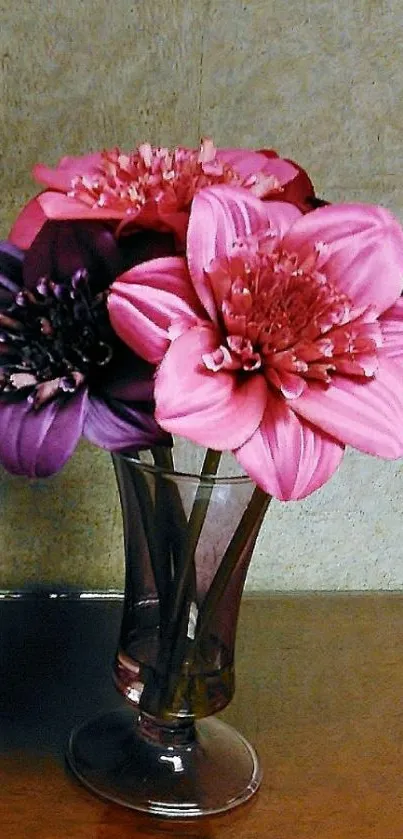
x: 171, y: 518
x: 152, y: 529
x: 244, y: 536
x: 247, y: 530
x: 174, y: 639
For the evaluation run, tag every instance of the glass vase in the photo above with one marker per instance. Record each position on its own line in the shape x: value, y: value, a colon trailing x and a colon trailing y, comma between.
x: 189, y: 538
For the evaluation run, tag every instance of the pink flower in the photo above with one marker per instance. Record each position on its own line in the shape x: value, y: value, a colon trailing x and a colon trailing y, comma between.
x: 150, y: 187
x: 280, y: 337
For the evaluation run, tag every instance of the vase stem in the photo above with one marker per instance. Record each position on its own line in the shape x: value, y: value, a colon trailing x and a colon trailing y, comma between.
x: 176, y: 733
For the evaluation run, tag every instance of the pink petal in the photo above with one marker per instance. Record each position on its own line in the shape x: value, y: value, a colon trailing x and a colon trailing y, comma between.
x: 144, y: 302
x: 391, y: 323
x: 55, y: 206
x: 362, y: 254
x: 219, y: 216
x: 38, y: 443
x: 247, y: 162
x: 287, y: 457
x: 61, y: 176
x: 219, y: 410
x: 28, y: 224
x: 281, y: 216
x: 367, y: 416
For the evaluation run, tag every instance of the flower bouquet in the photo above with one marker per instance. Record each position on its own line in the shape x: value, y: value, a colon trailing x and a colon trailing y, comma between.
x: 204, y: 294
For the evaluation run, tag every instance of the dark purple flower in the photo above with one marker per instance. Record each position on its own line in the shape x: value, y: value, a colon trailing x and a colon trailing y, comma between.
x: 63, y: 371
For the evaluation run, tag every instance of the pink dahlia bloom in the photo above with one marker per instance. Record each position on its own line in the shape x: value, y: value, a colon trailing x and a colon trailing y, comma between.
x: 280, y: 337
x: 150, y: 187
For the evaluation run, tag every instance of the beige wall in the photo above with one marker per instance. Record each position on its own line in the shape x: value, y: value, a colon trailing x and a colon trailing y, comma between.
x: 321, y: 81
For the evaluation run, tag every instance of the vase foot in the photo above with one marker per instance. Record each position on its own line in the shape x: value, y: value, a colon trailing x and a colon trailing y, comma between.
x: 212, y: 773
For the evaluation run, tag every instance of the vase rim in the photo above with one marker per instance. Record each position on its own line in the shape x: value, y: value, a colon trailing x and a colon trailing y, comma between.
x: 154, y: 469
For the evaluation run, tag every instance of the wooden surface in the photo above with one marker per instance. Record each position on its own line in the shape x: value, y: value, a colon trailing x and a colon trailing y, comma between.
x: 319, y: 693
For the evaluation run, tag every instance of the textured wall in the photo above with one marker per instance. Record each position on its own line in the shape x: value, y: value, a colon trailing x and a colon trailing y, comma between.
x: 321, y: 82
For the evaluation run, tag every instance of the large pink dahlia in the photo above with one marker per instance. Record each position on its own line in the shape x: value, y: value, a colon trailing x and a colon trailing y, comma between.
x: 280, y: 336
x: 152, y: 187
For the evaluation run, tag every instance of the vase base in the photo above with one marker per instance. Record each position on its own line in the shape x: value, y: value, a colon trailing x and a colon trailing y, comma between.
x: 212, y: 773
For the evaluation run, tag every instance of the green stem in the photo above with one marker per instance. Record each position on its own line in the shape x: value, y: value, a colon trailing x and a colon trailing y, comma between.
x: 247, y: 528
x: 155, y: 537
x: 201, y: 503
x: 186, y: 572
x: 172, y: 520
x: 186, y: 590
x: 175, y: 634
x: 246, y: 531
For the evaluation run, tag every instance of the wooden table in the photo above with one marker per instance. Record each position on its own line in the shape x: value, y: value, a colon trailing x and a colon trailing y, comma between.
x: 319, y: 693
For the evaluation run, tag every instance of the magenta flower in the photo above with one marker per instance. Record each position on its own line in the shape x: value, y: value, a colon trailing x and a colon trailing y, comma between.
x: 63, y: 371
x: 151, y: 187
x: 280, y: 337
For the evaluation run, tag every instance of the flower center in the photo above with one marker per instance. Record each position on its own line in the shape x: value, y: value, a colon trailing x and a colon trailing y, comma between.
x: 53, y: 338
x: 126, y: 182
x: 284, y: 318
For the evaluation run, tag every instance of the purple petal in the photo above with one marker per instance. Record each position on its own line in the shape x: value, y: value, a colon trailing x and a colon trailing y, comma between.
x: 144, y: 245
x: 114, y: 426
x: 61, y: 248
x: 128, y: 377
x: 11, y: 259
x: 38, y: 443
